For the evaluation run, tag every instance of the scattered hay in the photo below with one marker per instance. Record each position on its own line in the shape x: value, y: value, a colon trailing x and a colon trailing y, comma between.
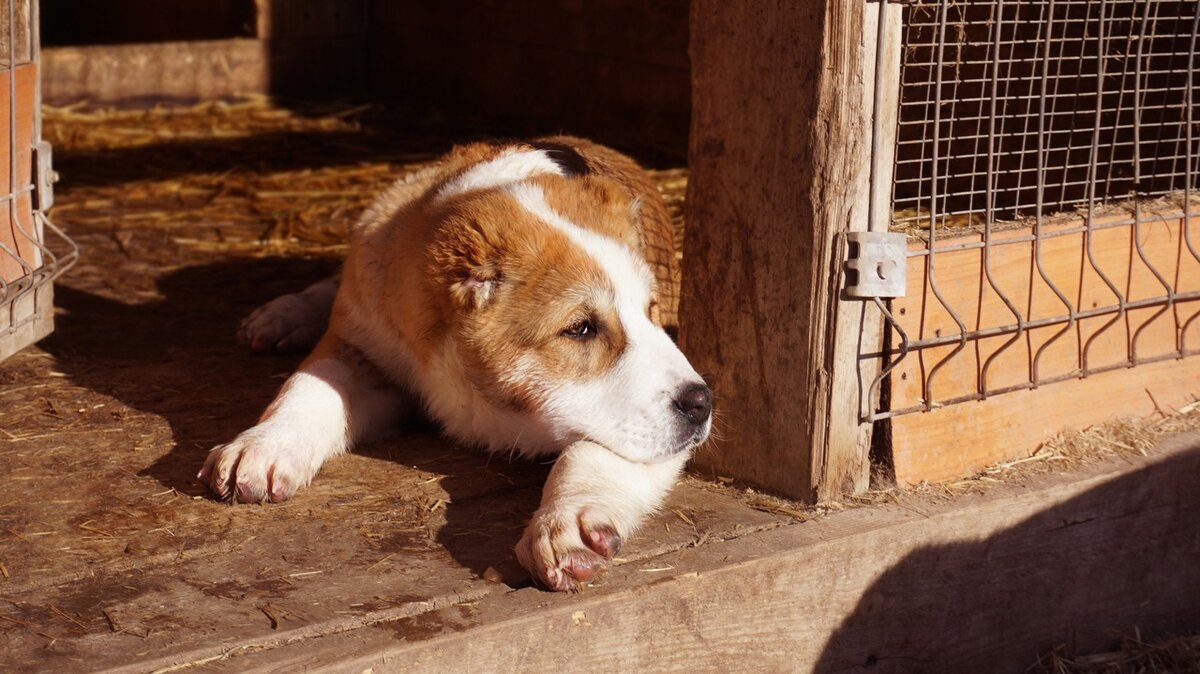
x: 1113, y: 440
x: 80, y: 127
x: 1179, y: 655
x: 1123, y: 438
x: 243, y: 176
x: 915, y: 222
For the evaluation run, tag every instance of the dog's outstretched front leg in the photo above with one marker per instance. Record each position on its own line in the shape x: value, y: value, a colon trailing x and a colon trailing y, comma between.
x: 334, y: 399
x: 592, y: 501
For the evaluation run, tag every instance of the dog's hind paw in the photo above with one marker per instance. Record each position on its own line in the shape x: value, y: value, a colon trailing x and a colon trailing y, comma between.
x: 285, y: 324
x: 292, y: 322
x: 564, y: 549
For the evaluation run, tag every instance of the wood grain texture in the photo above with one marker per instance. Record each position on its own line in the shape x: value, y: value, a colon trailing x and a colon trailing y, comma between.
x: 779, y: 160
x: 960, y: 440
x: 963, y: 438
x: 987, y: 585
x: 347, y: 553
x: 181, y: 70
x: 844, y: 465
x: 32, y: 314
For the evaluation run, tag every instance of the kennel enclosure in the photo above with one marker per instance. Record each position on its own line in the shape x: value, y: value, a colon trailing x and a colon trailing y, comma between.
x: 1034, y: 165
x: 28, y: 266
x: 1045, y: 176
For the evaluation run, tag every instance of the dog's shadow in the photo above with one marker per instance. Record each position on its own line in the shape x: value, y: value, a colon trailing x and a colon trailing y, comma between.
x: 175, y: 357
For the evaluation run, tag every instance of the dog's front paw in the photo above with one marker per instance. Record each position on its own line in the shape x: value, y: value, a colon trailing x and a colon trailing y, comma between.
x: 564, y: 548
x: 260, y: 465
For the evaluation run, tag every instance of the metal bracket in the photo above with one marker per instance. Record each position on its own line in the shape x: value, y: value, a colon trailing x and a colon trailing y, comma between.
x: 44, y: 176
x: 875, y: 266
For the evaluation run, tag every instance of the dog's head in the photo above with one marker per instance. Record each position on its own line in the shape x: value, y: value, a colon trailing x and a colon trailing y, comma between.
x: 553, y: 315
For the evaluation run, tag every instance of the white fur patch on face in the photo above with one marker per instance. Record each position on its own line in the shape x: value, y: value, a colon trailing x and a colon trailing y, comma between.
x: 629, y: 409
x: 510, y: 167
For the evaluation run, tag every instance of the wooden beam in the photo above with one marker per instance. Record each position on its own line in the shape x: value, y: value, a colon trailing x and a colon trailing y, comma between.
x: 843, y: 461
x: 27, y: 320
x: 180, y: 70
x: 963, y: 439
x: 930, y: 446
x: 985, y: 584
x: 780, y: 161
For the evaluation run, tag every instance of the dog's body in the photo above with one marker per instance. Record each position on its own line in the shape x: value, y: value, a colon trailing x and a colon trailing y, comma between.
x: 513, y: 290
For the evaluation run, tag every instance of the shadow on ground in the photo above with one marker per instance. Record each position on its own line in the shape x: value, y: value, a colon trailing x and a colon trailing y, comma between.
x: 1120, y: 557
x: 175, y: 357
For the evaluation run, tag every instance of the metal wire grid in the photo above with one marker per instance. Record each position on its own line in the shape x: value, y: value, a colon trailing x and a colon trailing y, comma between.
x: 20, y: 299
x: 1014, y: 110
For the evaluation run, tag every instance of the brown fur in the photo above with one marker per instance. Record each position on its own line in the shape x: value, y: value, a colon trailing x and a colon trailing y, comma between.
x: 484, y: 264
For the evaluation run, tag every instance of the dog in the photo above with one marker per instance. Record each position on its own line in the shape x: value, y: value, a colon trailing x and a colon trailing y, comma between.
x: 514, y: 291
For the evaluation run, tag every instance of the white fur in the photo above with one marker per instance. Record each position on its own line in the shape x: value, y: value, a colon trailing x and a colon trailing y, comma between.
x: 320, y: 411
x: 637, y: 419
x: 511, y: 166
x: 443, y: 388
x: 468, y: 416
x: 590, y: 487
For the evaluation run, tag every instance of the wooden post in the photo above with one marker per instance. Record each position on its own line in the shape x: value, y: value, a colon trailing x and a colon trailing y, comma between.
x: 780, y: 167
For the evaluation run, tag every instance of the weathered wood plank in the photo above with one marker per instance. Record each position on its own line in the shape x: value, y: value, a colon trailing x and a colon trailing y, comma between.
x: 981, y: 586
x: 959, y: 439
x: 843, y: 461
x: 407, y: 527
x: 182, y: 70
x: 779, y: 158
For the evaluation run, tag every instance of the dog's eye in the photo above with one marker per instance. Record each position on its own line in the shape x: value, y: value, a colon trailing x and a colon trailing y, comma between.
x: 582, y: 329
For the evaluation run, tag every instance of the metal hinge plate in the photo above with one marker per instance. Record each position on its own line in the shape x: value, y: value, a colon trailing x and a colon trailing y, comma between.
x: 875, y: 266
x: 44, y: 176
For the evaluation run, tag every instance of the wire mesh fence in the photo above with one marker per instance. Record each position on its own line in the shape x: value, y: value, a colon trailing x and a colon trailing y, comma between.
x: 1045, y: 173
x: 27, y: 265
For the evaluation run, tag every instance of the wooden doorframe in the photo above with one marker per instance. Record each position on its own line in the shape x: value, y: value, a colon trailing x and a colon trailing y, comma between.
x: 780, y: 158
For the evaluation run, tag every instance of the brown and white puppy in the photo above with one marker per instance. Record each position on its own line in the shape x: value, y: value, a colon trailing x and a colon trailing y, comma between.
x: 512, y: 290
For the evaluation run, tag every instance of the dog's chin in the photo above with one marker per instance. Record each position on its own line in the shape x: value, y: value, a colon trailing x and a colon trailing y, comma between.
x: 681, y: 448
x: 649, y: 455
x: 691, y: 438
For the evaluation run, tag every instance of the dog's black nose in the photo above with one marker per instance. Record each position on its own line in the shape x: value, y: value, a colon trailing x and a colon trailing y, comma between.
x: 694, y: 402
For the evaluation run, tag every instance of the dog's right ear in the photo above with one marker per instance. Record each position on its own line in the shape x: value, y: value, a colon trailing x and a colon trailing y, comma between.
x: 476, y: 290
x: 464, y: 265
